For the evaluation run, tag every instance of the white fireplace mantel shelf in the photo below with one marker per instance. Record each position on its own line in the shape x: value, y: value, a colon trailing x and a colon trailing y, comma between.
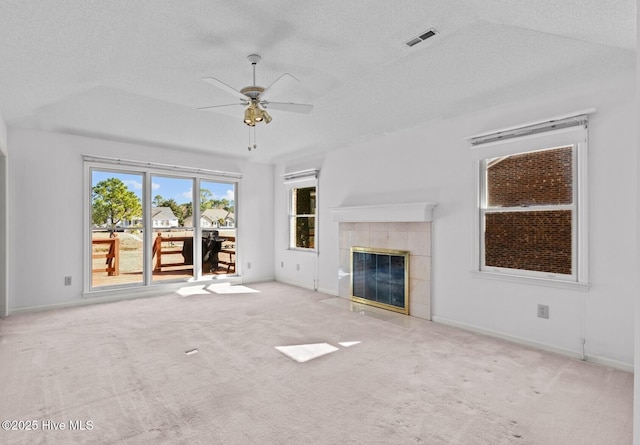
x: 400, y: 212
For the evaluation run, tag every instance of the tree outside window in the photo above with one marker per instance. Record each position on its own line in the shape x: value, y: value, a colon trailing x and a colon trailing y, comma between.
x: 113, y: 203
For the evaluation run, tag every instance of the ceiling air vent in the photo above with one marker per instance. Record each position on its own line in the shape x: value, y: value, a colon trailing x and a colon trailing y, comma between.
x: 421, y: 38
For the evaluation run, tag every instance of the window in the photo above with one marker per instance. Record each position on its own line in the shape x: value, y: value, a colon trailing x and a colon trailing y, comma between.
x: 303, y: 218
x: 143, y: 226
x: 532, y: 216
x: 303, y: 201
x: 528, y: 211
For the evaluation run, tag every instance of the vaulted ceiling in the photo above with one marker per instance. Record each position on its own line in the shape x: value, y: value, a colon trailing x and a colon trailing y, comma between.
x: 131, y: 70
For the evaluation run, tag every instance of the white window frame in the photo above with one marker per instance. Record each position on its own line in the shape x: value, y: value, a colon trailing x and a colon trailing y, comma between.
x: 297, y: 180
x: 560, y: 132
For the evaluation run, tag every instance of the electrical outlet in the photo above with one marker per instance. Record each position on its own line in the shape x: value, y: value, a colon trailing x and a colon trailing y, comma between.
x: 298, y: 267
x: 249, y: 265
x: 67, y: 281
x: 543, y: 311
x: 281, y: 264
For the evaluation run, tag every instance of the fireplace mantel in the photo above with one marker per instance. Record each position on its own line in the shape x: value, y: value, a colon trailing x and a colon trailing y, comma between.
x: 400, y: 212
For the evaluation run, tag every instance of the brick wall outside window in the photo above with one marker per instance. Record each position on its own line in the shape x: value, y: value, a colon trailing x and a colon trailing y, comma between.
x: 538, y: 241
x: 535, y: 178
x: 530, y: 240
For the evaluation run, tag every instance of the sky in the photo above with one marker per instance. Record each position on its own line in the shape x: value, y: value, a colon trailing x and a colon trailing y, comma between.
x: 179, y: 189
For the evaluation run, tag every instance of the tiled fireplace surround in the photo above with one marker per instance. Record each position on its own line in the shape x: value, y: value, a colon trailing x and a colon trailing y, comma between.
x: 414, y: 236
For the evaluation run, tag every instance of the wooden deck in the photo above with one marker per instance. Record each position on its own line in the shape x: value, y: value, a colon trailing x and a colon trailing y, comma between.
x: 111, y: 256
x: 100, y: 279
x: 114, y: 266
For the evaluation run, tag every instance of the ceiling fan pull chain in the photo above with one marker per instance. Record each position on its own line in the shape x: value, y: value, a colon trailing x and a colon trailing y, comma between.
x: 255, y: 144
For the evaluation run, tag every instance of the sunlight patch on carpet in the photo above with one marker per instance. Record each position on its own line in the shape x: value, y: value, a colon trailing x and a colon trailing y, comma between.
x: 227, y: 288
x: 192, y: 290
x: 304, y: 353
x: 348, y: 344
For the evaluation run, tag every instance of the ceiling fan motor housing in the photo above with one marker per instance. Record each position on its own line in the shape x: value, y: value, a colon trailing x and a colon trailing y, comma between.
x: 253, y: 91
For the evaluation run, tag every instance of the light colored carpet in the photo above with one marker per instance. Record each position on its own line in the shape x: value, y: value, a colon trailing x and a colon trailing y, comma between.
x: 130, y: 369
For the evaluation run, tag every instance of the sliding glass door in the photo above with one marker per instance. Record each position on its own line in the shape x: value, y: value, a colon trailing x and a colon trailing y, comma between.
x: 218, y: 227
x: 143, y: 227
x: 172, y: 250
x: 117, y: 228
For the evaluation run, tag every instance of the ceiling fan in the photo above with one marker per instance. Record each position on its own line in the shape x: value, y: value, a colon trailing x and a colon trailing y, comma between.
x: 256, y: 98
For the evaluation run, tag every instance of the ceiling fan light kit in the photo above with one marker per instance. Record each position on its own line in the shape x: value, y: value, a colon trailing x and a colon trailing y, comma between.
x: 254, y: 114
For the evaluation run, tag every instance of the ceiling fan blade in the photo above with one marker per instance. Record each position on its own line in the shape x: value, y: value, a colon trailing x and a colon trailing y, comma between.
x: 219, y: 106
x: 223, y: 86
x: 282, y: 83
x: 230, y: 110
x: 288, y: 106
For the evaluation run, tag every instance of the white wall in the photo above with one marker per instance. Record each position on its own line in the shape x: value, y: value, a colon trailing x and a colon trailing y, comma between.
x: 636, y: 398
x: 4, y: 306
x: 433, y: 163
x: 3, y: 136
x: 255, y: 223
x: 46, y: 211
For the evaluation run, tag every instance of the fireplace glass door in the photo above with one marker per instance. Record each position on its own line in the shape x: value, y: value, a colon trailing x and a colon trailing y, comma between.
x: 380, y: 277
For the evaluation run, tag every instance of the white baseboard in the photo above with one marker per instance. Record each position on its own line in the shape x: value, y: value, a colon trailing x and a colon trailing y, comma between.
x: 113, y: 295
x: 331, y: 292
x: 86, y: 301
x: 294, y: 283
x: 611, y: 363
x: 254, y: 280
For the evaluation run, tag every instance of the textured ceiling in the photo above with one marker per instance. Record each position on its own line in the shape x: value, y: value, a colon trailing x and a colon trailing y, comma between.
x: 130, y: 70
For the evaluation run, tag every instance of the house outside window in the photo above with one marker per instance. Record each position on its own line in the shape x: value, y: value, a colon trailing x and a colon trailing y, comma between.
x: 532, y: 204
